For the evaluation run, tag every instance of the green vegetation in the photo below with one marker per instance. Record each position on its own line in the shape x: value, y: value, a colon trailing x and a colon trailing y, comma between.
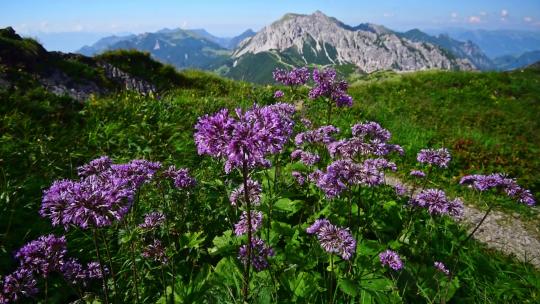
x: 489, y: 121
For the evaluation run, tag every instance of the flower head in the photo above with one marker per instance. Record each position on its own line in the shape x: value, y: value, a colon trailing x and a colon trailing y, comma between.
x: 259, y: 254
x: 327, y: 86
x: 500, y: 181
x: 153, y: 220
x: 305, y: 157
x: 278, y: 94
x: 441, y: 267
x: 248, y: 138
x: 334, y: 239
x: 391, y: 259
x: 418, y: 173
x: 95, y: 167
x: 254, y: 193
x: 21, y: 283
x: 437, y: 203
x: 180, y: 177
x: 155, y: 251
x: 322, y: 135
x: 440, y: 157
x: 44, y: 255
x: 242, y: 227
x: 298, y: 177
x: 295, y: 77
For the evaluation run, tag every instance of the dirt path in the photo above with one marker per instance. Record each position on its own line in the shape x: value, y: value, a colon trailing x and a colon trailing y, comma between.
x: 504, y: 232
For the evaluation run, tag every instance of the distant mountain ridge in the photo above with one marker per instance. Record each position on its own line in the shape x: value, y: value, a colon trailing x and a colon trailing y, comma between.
x: 506, y: 63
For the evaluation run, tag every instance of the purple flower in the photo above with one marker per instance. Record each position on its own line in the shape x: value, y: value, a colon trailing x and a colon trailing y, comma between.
x: 93, y: 271
x: 278, y: 94
x: 259, y: 254
x: 391, y: 259
x: 153, y: 220
x: 21, y: 283
x: 322, y: 135
x: 95, y: 167
x: 437, y: 203
x: 300, y: 179
x: 307, y: 158
x: 327, y: 86
x: 497, y: 180
x: 333, y: 239
x: 418, y: 173
x: 371, y: 131
x: 295, y: 77
x: 155, y: 251
x: 306, y: 122
x: 439, y: 157
x: 441, y: 267
x: 242, y: 228
x: 44, y: 255
x: 400, y: 190
x: 137, y: 172
x: 254, y: 193
x: 95, y: 201
x: 180, y: 177
x: 73, y: 271
x: 248, y: 138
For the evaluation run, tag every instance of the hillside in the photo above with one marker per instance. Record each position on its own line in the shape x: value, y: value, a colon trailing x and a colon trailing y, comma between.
x: 506, y: 63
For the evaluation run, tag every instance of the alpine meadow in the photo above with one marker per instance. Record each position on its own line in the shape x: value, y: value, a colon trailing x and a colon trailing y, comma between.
x: 304, y: 160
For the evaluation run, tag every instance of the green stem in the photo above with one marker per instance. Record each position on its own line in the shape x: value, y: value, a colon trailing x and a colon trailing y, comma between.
x: 245, y: 289
x: 329, y: 112
x: 103, y: 274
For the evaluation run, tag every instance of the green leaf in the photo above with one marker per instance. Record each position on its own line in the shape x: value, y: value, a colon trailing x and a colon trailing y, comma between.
x: 349, y: 287
x: 192, y: 239
x: 288, y: 205
x: 223, y: 243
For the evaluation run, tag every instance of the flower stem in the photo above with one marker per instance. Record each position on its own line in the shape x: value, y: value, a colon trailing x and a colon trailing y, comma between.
x: 113, y: 275
x: 245, y: 289
x: 329, y: 112
x: 133, y: 265
x: 103, y: 274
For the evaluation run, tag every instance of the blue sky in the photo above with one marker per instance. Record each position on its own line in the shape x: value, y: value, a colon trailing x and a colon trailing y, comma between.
x: 228, y: 18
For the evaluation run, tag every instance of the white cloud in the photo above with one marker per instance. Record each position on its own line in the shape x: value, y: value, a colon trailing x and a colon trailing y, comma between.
x: 474, y: 19
x: 454, y: 15
x: 527, y: 19
x: 387, y: 15
x: 482, y: 13
x: 504, y: 13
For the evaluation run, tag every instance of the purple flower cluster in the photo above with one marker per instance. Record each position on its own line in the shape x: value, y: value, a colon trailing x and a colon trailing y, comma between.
x: 326, y: 85
x: 391, y: 259
x: 153, y: 220
x: 155, y: 251
x: 368, y: 139
x: 44, y: 255
x: 418, y: 173
x: 75, y: 273
x: 341, y: 174
x: 278, y: 94
x: 400, y: 190
x: 441, y: 267
x: 180, y: 177
x: 437, y: 203
x: 103, y: 194
x: 137, y: 172
x: 305, y: 157
x: 259, y: 254
x: 94, y: 201
x: 254, y: 193
x: 322, y: 135
x: 497, y: 180
x: 295, y: 77
x: 248, y: 138
x: 20, y: 283
x: 300, y: 179
x: 333, y: 239
x: 440, y: 157
x: 41, y: 257
x: 242, y: 226
x: 95, y: 167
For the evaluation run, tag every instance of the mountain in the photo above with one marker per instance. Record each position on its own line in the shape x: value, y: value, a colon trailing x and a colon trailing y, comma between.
x: 497, y: 43
x: 225, y: 42
x: 180, y: 48
x: 467, y: 50
x: 509, y: 62
x: 317, y: 39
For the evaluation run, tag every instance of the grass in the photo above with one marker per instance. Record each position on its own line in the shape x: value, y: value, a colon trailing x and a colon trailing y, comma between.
x: 489, y: 121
